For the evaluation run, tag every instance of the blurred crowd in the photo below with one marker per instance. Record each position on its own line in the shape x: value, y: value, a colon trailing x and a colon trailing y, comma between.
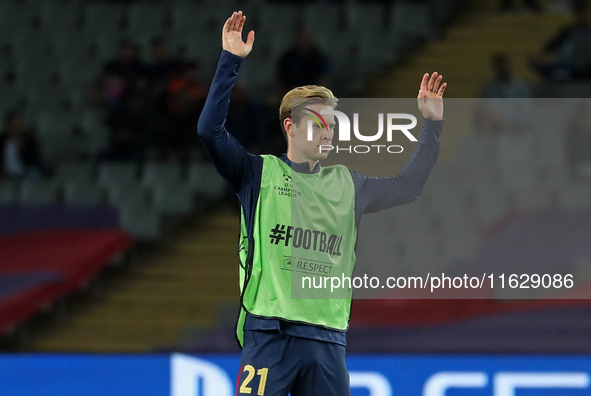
x: 152, y: 106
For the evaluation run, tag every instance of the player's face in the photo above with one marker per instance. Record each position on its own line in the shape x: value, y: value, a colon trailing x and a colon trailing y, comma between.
x: 315, y: 149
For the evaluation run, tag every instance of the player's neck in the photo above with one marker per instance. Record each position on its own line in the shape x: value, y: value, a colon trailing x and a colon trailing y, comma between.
x: 297, y: 158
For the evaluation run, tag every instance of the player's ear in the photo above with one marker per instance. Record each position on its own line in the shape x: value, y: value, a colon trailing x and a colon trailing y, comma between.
x: 287, y: 126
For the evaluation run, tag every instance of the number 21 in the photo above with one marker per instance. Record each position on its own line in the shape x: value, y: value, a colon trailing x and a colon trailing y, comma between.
x: 251, y: 370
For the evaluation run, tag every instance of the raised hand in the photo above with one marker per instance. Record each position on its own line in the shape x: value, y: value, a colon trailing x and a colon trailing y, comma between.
x: 232, y: 36
x: 430, y: 96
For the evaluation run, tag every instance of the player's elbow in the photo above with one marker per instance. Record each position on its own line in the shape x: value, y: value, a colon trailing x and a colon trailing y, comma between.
x: 202, y: 127
x: 413, y: 195
x: 205, y: 128
x: 411, y: 191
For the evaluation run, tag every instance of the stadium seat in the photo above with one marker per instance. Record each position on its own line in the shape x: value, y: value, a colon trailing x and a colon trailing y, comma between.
x: 161, y: 174
x: 64, y: 101
x: 534, y: 198
x: 476, y: 149
x: 79, y: 72
x: 412, y: 20
x: 79, y: 193
x: 519, y: 175
x: 58, y: 16
x: 8, y: 193
x: 419, y: 260
x: 141, y: 224
x: 51, y: 121
x: 55, y: 131
x: 206, y: 51
x: 117, y: 174
x: 107, y: 43
x: 364, y: 17
x: 10, y: 96
x: 205, y: 180
x: 554, y: 175
x: 187, y: 18
x: 516, y: 159
x: 257, y: 72
x: 78, y: 172
x: 17, y: 16
x: 376, y: 50
x: 103, y: 18
x: 489, y: 203
x: 137, y: 214
x: 460, y: 243
x: 173, y: 198
x: 516, y: 149
x: 39, y: 193
x: 147, y: 19
x: 552, y: 148
x: 276, y: 18
x: 575, y: 196
x: 323, y: 18
x: 68, y: 45
x: 95, y: 132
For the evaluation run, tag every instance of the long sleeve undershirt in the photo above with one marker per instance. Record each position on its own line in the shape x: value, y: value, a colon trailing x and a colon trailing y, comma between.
x: 243, y: 171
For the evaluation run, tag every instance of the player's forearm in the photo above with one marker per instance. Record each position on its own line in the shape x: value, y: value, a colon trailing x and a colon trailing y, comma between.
x: 416, y: 171
x: 228, y: 156
x: 215, y: 110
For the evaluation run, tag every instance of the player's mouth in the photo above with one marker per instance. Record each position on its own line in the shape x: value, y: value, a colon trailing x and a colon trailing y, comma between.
x: 325, y: 147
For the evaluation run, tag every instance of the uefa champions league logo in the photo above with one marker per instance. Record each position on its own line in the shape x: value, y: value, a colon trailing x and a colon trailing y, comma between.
x: 287, y: 179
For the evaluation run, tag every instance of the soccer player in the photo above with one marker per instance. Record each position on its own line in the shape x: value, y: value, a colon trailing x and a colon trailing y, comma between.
x: 297, y: 346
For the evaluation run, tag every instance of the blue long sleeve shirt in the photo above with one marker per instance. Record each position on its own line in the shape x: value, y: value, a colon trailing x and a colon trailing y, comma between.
x: 243, y: 171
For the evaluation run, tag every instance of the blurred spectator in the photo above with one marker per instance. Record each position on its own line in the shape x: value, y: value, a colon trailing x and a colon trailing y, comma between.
x: 116, y: 78
x: 20, y: 156
x: 186, y: 97
x: 245, y: 121
x: 505, y: 104
x: 131, y: 129
x: 163, y: 65
x: 127, y: 63
x: 303, y: 64
x: 579, y: 142
x: 567, y: 56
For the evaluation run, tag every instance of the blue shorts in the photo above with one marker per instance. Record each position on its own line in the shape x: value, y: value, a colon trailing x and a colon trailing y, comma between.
x: 277, y: 364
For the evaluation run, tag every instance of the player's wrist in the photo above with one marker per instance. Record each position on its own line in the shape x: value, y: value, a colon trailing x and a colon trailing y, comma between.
x: 231, y: 55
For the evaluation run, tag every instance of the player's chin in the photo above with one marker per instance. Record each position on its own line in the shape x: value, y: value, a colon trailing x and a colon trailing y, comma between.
x: 322, y: 154
x: 323, y: 151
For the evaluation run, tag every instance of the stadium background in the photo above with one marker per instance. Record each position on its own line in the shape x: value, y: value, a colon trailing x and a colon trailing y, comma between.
x: 118, y: 236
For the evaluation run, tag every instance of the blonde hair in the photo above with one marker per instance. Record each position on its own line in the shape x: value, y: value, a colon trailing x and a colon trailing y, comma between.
x: 300, y: 97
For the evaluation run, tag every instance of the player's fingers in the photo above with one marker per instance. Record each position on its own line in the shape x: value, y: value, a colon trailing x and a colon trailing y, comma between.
x: 437, y: 83
x: 440, y: 92
x: 232, y: 22
x: 227, y: 25
x: 238, y: 20
x: 250, y: 38
x: 235, y: 20
x: 431, y: 82
x: 424, y: 82
x: 242, y: 20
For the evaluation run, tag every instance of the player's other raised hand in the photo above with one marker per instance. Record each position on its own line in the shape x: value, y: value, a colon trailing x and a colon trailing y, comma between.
x: 430, y: 96
x: 232, y: 36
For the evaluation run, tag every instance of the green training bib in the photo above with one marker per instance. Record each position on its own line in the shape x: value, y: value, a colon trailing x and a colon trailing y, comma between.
x: 304, y: 234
